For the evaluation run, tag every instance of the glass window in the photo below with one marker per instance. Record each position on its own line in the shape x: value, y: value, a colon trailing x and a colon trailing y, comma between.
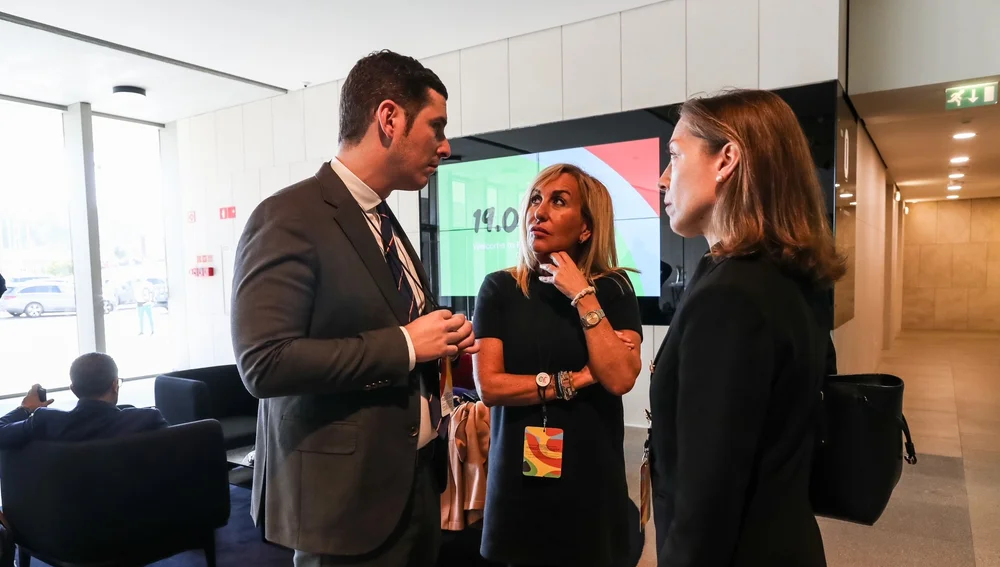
x: 133, y: 249
x: 38, y: 330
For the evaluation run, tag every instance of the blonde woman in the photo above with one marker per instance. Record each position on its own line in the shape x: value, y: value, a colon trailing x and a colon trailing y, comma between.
x: 559, y: 336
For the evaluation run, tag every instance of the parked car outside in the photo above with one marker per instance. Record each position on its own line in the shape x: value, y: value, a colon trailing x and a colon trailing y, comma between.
x: 39, y: 297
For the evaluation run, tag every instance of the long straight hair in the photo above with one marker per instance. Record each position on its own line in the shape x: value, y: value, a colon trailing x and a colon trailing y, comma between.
x: 773, y: 202
x: 597, y: 257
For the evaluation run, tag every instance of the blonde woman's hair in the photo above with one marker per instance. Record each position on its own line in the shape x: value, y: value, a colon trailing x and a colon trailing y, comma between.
x: 597, y: 257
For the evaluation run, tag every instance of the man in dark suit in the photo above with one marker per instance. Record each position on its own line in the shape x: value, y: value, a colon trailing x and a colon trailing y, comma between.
x: 94, y: 379
x: 333, y: 331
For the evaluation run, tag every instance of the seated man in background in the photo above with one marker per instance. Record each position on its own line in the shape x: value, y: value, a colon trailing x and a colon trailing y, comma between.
x: 94, y: 380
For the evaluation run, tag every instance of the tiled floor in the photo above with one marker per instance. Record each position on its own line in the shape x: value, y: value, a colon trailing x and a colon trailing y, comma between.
x: 946, y: 509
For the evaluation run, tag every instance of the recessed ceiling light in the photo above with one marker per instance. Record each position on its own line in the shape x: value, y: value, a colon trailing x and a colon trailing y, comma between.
x: 899, y: 196
x: 964, y: 135
x: 956, y: 176
x: 853, y: 203
x: 952, y: 196
x: 906, y: 209
x: 835, y: 185
x: 960, y: 159
x: 846, y: 195
x: 954, y: 187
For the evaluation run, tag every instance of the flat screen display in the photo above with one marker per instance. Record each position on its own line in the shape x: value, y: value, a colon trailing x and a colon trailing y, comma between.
x: 479, y: 209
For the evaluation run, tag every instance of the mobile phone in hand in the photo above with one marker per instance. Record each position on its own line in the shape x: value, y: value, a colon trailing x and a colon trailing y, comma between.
x: 42, y: 395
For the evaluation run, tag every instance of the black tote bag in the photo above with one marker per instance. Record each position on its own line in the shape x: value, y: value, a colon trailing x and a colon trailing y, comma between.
x: 860, y: 449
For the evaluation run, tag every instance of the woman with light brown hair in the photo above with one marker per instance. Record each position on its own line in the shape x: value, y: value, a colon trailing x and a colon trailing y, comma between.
x: 736, y: 385
x: 559, y: 338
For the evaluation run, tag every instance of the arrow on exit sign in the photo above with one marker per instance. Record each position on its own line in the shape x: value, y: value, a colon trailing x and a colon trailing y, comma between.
x: 970, y: 96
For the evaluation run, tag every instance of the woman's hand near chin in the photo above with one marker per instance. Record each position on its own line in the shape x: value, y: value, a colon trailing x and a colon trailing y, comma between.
x: 564, y: 274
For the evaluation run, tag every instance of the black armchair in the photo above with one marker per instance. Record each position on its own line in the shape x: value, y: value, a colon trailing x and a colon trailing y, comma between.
x: 117, y: 502
x: 215, y: 393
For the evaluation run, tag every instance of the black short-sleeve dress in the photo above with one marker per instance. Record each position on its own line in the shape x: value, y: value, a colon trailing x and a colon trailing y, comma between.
x: 578, y: 519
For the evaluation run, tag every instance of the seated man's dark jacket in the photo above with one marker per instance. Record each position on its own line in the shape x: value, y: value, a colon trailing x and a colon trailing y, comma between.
x: 89, y: 420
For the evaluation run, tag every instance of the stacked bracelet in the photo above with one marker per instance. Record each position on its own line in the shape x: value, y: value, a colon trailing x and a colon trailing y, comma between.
x: 564, y: 380
x: 583, y: 293
x: 559, y: 386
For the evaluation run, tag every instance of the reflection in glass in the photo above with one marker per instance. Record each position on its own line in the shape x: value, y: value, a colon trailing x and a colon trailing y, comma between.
x: 845, y: 224
x: 38, y: 330
x: 133, y: 249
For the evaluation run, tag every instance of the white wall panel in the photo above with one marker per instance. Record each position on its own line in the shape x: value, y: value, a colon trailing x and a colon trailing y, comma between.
x: 221, y: 232
x: 654, y: 55
x: 203, y: 148
x: 273, y: 179
x: 448, y: 68
x: 303, y: 170
x: 322, y: 120
x: 536, y: 78
x: 485, y: 88
x: 408, y: 210
x: 246, y: 197
x: 722, y: 45
x: 258, y: 138
x: 288, y: 112
x: 798, y: 42
x: 222, y: 340
x: 592, y: 67
x: 229, y: 139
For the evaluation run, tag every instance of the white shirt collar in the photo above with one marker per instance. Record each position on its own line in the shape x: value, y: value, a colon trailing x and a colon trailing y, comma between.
x: 367, y: 198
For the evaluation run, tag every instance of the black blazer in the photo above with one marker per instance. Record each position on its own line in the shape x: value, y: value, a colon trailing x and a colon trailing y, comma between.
x: 89, y: 420
x: 315, y: 325
x: 734, y: 394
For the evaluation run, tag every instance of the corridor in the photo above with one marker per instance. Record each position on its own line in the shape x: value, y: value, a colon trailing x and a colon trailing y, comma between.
x: 946, y: 509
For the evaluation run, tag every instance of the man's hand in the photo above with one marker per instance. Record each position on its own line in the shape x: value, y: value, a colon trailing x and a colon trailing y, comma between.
x: 31, y: 401
x: 439, y: 334
x: 468, y: 344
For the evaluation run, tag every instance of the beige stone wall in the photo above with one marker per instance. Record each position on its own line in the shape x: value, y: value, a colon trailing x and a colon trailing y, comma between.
x: 951, y: 265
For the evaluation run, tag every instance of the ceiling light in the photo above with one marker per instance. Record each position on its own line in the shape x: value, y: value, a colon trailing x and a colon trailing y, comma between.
x: 964, y: 135
x: 956, y: 176
x: 952, y: 196
x: 835, y: 185
x: 954, y: 187
x: 960, y: 159
x: 906, y: 209
x: 129, y: 92
x: 853, y: 203
x: 846, y: 195
x: 899, y: 196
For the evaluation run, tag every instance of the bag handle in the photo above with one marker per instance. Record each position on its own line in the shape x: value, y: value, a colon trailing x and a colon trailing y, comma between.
x: 911, y: 453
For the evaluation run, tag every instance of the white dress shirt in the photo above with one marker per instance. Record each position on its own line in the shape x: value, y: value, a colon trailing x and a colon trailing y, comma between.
x: 367, y: 199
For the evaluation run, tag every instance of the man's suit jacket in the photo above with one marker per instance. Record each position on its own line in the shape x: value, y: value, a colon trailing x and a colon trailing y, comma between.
x: 89, y: 420
x: 315, y: 325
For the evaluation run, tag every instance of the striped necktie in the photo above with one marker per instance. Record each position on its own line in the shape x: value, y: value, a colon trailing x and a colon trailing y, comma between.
x: 390, y: 247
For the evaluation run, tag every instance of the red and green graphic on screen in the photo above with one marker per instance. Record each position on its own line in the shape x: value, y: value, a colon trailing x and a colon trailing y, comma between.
x: 480, y: 201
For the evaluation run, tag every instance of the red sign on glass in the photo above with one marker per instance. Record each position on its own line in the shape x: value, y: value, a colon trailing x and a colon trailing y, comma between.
x: 191, y: 216
x: 226, y: 213
x: 205, y: 259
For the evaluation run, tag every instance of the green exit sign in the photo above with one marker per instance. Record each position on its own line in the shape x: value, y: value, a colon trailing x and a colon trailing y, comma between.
x: 970, y: 96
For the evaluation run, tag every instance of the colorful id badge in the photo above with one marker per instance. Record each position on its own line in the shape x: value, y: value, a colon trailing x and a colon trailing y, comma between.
x: 543, y: 449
